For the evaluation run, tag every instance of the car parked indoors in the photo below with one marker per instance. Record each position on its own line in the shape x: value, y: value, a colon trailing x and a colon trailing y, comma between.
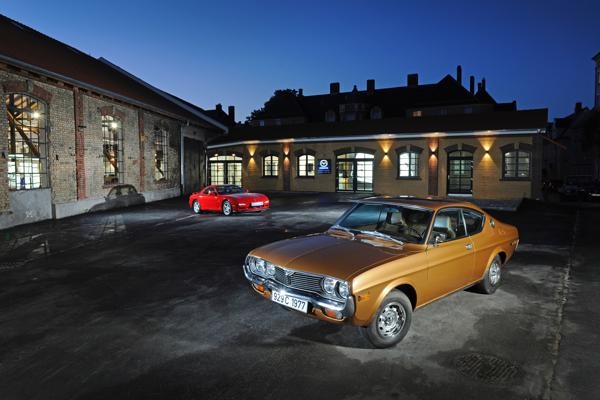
x: 227, y: 199
x: 383, y: 259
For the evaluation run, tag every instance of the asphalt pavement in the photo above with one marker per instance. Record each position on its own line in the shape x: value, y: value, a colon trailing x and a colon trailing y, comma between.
x: 150, y: 303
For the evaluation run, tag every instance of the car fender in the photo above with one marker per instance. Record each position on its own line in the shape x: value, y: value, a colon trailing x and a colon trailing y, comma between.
x: 368, y: 301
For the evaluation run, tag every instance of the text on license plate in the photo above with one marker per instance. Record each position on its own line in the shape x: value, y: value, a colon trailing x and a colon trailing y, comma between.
x: 257, y: 204
x: 289, y: 301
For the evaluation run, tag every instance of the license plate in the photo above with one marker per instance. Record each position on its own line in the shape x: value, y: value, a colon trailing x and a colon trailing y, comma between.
x: 257, y: 204
x: 289, y: 301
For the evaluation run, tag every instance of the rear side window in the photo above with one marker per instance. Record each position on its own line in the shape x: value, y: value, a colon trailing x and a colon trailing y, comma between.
x: 473, y: 221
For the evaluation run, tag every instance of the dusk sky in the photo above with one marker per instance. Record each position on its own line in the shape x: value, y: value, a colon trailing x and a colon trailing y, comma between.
x: 239, y: 52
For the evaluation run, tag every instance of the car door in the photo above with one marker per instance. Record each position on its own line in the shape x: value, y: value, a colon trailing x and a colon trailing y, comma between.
x: 483, y: 244
x: 449, y: 253
x: 209, y: 198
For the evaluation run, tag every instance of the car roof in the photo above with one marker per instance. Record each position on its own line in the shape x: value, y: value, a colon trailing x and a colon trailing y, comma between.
x: 432, y: 203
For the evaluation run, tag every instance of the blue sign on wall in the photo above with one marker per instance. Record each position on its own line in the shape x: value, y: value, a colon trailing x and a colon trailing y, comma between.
x: 324, y: 166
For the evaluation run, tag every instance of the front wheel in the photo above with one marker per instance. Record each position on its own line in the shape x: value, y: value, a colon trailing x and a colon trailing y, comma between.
x: 196, y: 207
x: 226, y: 208
x: 391, y: 322
x: 492, y: 277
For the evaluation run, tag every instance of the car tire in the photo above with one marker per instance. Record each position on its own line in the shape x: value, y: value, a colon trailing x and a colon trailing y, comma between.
x: 492, y: 277
x: 196, y: 207
x: 391, y: 321
x: 226, y: 208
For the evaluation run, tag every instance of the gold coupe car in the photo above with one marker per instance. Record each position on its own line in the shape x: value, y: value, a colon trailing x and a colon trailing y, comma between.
x: 383, y: 259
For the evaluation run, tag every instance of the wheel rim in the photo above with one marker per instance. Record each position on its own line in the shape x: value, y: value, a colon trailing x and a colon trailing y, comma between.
x: 226, y: 208
x: 390, y: 320
x: 196, y: 206
x: 495, y: 273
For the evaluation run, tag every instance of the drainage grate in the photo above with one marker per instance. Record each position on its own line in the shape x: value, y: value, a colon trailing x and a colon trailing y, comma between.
x: 486, y: 368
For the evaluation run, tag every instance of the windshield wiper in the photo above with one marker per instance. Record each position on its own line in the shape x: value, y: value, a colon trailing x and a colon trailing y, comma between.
x: 342, y: 228
x: 383, y: 236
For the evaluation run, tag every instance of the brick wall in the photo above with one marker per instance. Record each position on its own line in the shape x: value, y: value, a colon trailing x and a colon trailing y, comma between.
x: 75, y: 142
x: 487, y: 175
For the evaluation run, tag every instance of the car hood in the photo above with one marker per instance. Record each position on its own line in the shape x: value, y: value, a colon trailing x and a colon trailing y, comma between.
x: 325, y: 254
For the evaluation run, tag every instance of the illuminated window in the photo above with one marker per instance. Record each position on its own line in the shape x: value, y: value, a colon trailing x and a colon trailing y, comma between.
x: 112, y: 149
x: 417, y: 113
x: 409, y: 158
x: 517, y: 164
x: 270, y: 165
x: 161, y: 152
x: 225, y: 169
x: 27, y: 142
x: 306, y: 165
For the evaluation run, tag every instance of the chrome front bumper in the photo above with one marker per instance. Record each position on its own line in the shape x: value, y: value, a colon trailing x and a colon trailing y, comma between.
x: 344, y: 308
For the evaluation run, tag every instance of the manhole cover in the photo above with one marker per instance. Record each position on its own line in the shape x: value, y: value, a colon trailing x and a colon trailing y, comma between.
x: 486, y: 368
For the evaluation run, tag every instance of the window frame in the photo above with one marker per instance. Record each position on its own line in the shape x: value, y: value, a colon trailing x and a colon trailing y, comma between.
x: 112, y: 138
x: 272, y: 170
x: 523, y: 151
x: 161, y: 154
x: 303, y: 162
x: 414, y: 160
x: 29, y: 167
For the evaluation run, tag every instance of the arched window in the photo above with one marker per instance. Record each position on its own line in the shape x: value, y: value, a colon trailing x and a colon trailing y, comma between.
x: 516, y: 162
x: 270, y: 165
x: 27, y: 142
x: 409, y: 159
x: 112, y: 148
x: 161, y: 153
x: 306, y: 165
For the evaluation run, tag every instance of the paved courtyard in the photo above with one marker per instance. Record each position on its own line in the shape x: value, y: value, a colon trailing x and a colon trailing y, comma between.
x: 151, y: 303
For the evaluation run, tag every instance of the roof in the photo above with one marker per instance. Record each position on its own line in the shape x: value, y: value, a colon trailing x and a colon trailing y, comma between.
x: 528, y: 120
x: 28, y: 49
x: 432, y: 203
x: 394, y: 102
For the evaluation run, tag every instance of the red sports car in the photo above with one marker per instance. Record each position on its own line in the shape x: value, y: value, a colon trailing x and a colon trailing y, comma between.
x: 227, y: 199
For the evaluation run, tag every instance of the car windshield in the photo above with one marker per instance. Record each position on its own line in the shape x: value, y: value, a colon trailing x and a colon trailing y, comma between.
x: 229, y: 189
x: 398, y: 222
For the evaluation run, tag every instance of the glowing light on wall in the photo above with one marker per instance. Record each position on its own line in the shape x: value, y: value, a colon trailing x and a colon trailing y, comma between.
x: 251, y: 149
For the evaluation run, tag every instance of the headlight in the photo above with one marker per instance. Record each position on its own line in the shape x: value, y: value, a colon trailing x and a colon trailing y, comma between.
x: 329, y: 285
x: 270, y: 269
x: 260, y: 266
x: 343, y: 290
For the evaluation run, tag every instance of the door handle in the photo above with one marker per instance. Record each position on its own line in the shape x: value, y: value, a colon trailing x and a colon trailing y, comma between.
x: 469, y: 246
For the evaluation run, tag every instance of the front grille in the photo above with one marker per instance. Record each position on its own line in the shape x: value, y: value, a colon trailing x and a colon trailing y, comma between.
x: 299, y: 280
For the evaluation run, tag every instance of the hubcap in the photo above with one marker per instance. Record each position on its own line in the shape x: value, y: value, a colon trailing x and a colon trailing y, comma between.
x: 495, y: 273
x: 196, y: 206
x: 226, y: 208
x: 391, y: 320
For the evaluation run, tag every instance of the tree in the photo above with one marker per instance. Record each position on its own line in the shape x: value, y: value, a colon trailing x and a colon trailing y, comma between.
x: 275, y: 105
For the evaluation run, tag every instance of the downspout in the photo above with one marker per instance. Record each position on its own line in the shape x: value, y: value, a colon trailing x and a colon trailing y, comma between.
x: 181, y: 160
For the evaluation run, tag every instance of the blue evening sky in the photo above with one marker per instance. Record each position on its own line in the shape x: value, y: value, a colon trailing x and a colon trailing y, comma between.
x: 238, y: 52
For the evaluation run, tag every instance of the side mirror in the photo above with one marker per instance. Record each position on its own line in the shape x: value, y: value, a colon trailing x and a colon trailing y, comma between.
x: 438, y: 238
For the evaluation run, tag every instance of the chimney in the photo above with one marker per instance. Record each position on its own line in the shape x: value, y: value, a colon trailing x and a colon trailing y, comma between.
x: 219, y: 107
x: 370, y: 86
x: 231, y: 112
x: 472, y: 84
x: 300, y: 92
x: 412, y: 80
x: 459, y: 75
x: 334, y: 88
x: 483, y: 84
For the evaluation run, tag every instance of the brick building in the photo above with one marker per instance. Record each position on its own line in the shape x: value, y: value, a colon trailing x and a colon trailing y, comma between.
x: 438, y: 139
x: 75, y: 127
